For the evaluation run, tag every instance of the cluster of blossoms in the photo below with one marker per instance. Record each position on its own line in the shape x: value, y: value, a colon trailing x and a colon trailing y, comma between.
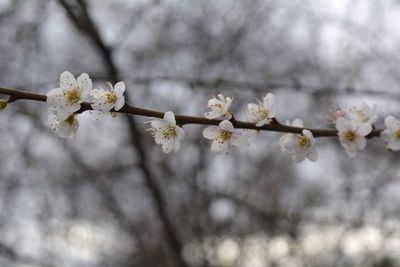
x: 356, y: 123
x: 66, y: 101
x: 353, y: 125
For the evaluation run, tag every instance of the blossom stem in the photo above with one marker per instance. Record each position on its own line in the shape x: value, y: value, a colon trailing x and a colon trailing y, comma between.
x: 184, y: 119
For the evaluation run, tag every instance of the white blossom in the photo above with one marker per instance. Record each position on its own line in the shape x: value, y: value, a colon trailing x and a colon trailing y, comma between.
x: 166, y: 133
x: 223, y: 137
x: 262, y: 112
x: 391, y: 133
x: 363, y: 114
x: 299, y: 146
x: 66, y: 128
x: 105, y: 100
x: 352, y: 135
x: 219, y: 108
x: 67, y: 98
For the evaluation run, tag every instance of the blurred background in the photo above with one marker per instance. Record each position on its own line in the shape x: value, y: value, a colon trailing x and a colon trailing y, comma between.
x: 110, y: 197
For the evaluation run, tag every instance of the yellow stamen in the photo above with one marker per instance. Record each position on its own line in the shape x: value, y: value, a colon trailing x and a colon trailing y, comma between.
x: 304, y: 142
x: 398, y: 133
x: 73, y: 96
x: 351, y: 136
x: 170, y: 132
x: 263, y: 112
x: 225, y: 135
x: 111, y: 97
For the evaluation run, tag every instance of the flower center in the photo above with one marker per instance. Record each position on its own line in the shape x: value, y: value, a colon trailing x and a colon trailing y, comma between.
x: 351, y: 136
x: 111, y: 97
x: 304, y: 142
x: 170, y: 132
x: 73, y: 96
x: 225, y: 135
x: 263, y: 112
x: 70, y: 120
x: 398, y: 133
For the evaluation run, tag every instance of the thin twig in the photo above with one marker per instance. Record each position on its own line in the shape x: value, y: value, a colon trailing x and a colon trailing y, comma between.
x: 184, y: 119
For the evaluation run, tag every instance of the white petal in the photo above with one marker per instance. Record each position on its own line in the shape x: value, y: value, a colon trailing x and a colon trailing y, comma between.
x: 56, y: 97
x: 226, y: 125
x: 364, y: 129
x: 312, y: 154
x: 361, y: 143
x: 342, y: 124
x: 390, y: 122
x: 168, y: 146
x: 298, y: 157
x: 218, y: 147
x: 67, y: 81
x: 63, y: 114
x: 119, y: 88
x: 120, y: 103
x: 263, y: 122
x: 97, y: 93
x: 82, y: 79
x: 212, y: 114
x: 159, y: 138
x: 387, y: 135
x: 177, y: 145
x: 308, y: 134
x: 228, y: 103
x: 351, y: 153
x: 65, y: 130
x: 180, y: 133
x: 252, y: 108
x: 269, y: 102
x: 238, y: 140
x: 215, y: 103
x: 211, y: 132
x: 394, y: 145
x: 298, y: 123
x: 158, y: 124
x: 169, y: 117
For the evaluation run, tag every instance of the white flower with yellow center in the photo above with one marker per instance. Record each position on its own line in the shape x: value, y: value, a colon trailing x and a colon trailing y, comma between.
x: 262, y: 112
x: 391, y: 133
x: 363, y: 114
x: 352, y: 135
x: 219, y: 108
x: 299, y: 146
x: 68, y: 97
x: 167, y: 133
x: 106, y: 100
x: 223, y: 137
x: 66, y: 128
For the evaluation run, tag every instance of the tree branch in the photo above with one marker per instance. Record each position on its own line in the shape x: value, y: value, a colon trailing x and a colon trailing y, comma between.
x: 275, y: 126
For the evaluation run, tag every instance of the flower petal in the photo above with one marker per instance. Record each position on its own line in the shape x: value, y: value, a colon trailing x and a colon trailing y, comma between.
x: 298, y: 123
x: 364, y: 129
x: 238, y: 140
x: 169, y: 117
x: 218, y: 147
x: 120, y: 103
x: 119, y: 88
x: 226, y: 125
x: 342, y: 124
x: 67, y: 81
x: 211, y: 132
